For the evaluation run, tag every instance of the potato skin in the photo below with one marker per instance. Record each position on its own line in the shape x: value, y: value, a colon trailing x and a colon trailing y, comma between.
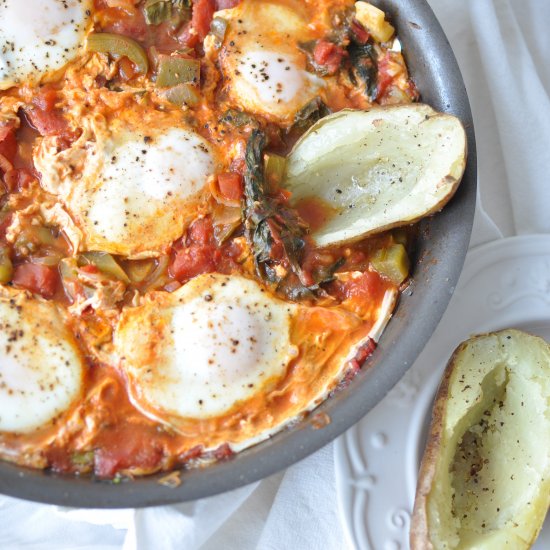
x: 419, y: 532
x: 422, y: 532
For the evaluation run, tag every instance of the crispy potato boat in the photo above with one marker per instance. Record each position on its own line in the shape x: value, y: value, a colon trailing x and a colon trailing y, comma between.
x: 484, y: 482
x: 377, y: 169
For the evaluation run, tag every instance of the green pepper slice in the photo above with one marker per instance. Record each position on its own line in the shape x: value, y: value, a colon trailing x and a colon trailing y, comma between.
x: 392, y: 263
x: 119, y: 45
x: 6, y: 267
x: 178, y: 70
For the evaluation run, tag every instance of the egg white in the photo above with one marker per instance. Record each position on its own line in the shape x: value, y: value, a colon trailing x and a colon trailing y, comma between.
x: 41, y: 368
x: 383, y: 315
x: 264, y: 71
x: 197, y: 352
x: 39, y: 36
x: 128, y: 187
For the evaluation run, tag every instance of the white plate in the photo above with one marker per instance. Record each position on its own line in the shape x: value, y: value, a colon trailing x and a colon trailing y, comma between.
x: 504, y: 284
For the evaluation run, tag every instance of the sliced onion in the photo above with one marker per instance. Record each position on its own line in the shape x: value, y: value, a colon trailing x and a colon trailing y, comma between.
x: 119, y: 45
x: 105, y: 263
x: 159, y: 277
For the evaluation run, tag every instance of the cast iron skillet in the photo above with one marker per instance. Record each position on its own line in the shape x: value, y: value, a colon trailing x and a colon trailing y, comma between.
x: 442, y: 245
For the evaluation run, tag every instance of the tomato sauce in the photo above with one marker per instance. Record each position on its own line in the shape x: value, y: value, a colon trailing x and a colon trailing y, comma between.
x: 112, y: 436
x: 315, y: 212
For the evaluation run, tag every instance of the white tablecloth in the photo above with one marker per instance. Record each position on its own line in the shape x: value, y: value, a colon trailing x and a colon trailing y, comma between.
x: 503, y: 48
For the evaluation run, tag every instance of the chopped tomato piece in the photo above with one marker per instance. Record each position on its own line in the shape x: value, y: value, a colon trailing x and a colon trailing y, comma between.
x: 203, y: 11
x: 8, y: 142
x: 46, y: 99
x: 165, y: 38
x: 196, y: 31
x: 193, y: 453
x: 328, y: 55
x: 48, y: 123
x: 39, y: 279
x: 130, y: 448
x: 223, y: 452
x: 126, y: 68
x: 322, y: 51
x: 367, y: 285
x: 192, y: 261
x: 187, y: 37
x: 129, y: 21
x: 366, y: 350
x: 231, y: 185
x: 367, y: 289
x: 384, y: 78
x: 46, y: 118
x: 59, y: 460
x: 360, y: 34
x: 18, y: 179
x: 227, y: 261
x: 233, y: 250
x: 201, y: 232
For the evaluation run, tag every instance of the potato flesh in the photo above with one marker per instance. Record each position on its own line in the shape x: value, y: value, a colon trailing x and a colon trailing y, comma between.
x: 495, y: 446
x: 378, y: 169
x: 373, y: 19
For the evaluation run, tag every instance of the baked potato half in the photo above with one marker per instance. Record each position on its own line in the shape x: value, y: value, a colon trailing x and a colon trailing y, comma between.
x: 377, y: 169
x: 484, y: 482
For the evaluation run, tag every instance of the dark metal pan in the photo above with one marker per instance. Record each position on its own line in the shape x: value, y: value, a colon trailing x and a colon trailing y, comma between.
x: 442, y: 244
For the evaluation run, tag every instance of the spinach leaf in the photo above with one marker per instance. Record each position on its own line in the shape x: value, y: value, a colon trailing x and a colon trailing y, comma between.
x: 310, y: 113
x: 236, y: 118
x: 276, y: 233
x: 364, y: 67
x: 158, y: 11
x: 274, y: 230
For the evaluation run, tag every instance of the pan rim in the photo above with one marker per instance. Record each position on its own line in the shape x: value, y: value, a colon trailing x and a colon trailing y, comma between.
x: 444, y: 240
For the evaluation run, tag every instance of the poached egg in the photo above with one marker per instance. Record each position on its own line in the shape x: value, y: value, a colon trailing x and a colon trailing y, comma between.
x: 263, y: 68
x: 128, y: 186
x: 222, y: 360
x: 39, y: 37
x: 41, y: 367
x: 214, y: 342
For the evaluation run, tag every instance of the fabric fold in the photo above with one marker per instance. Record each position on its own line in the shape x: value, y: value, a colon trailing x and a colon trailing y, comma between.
x: 522, y: 109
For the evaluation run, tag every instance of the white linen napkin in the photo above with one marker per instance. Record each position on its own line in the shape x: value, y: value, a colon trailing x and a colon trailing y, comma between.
x: 503, y: 49
x: 513, y: 41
